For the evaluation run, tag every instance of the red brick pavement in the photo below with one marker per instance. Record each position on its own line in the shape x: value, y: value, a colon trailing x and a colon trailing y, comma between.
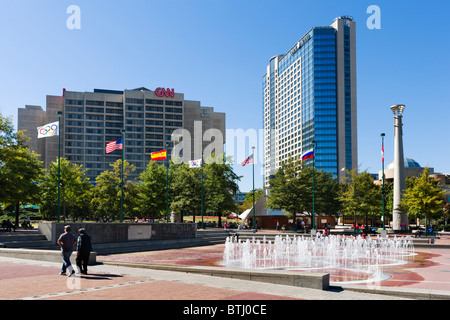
x: 431, y: 270
x: 27, y: 281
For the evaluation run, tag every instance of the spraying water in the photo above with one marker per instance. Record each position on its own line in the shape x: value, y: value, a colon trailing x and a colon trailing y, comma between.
x: 308, y: 253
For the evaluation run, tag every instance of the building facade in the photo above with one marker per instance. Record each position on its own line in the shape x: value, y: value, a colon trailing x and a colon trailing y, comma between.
x: 309, y: 94
x: 90, y: 120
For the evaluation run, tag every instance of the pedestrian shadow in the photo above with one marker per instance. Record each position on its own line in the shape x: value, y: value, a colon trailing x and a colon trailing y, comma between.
x: 98, y: 276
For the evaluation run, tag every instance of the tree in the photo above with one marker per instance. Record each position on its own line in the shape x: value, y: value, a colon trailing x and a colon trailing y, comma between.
x: 106, y: 198
x: 359, y: 195
x: 151, y: 191
x: 424, y: 199
x: 291, y: 190
x: 76, y: 191
x: 287, y: 191
x: 220, y: 186
x: 186, y: 190
x: 20, y: 169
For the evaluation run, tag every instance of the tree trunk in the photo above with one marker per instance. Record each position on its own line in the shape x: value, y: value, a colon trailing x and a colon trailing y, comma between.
x: 17, y: 214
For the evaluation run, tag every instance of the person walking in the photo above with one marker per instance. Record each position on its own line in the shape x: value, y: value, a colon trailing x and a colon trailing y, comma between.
x: 84, y: 248
x: 67, y: 241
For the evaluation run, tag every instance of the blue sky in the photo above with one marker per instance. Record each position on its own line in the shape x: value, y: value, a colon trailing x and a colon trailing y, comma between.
x: 216, y: 51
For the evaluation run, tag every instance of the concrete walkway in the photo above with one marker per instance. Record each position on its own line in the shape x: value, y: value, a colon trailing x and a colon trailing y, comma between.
x: 22, y: 279
x: 35, y: 280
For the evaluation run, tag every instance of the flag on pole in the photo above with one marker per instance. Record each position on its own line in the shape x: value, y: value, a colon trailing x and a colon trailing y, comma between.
x: 113, y: 146
x: 382, y: 152
x: 308, y: 155
x: 49, y: 130
x: 160, y: 155
x: 247, y: 161
x: 195, y: 163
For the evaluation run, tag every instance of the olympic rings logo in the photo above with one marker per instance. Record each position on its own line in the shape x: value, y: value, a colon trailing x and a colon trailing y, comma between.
x: 48, y: 130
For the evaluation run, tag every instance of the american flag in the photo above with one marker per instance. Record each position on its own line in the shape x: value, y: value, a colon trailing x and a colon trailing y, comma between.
x: 115, y: 145
x: 247, y: 161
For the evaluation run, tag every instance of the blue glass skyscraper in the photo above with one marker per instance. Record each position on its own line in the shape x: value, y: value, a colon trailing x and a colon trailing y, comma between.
x: 309, y: 95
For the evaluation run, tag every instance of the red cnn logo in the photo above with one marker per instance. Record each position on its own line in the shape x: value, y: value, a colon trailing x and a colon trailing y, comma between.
x: 168, y: 93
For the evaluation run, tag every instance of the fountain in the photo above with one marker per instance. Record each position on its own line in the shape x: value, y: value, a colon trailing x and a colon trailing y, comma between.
x: 342, y: 257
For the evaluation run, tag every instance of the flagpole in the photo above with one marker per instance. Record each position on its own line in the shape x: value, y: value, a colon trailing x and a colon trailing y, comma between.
x: 167, y: 184
x: 59, y: 165
x: 313, y: 191
x: 382, y: 172
x: 121, y: 184
x: 254, y: 221
x: 203, y: 225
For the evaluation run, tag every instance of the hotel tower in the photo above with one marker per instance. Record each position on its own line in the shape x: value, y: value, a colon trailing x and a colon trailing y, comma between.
x: 309, y: 94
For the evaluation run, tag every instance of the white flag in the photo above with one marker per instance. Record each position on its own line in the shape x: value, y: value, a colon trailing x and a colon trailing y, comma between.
x: 49, y: 130
x: 195, y: 163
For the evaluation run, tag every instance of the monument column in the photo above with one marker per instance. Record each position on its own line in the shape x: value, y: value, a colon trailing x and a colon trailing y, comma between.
x: 399, y: 217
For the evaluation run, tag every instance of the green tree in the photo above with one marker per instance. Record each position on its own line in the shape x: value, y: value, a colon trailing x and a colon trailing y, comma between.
x: 20, y: 169
x: 360, y: 197
x: 220, y: 186
x: 76, y: 191
x: 106, y: 200
x: 291, y: 190
x: 151, y: 191
x: 186, y: 190
x: 287, y: 191
x: 424, y: 199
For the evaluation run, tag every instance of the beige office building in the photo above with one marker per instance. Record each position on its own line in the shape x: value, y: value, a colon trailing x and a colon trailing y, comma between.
x: 90, y: 120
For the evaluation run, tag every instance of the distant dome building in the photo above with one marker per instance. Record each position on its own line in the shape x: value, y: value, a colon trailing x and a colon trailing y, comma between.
x: 412, y: 169
x: 409, y: 163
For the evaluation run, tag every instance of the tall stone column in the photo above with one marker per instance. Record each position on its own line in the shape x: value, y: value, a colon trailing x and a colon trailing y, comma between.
x: 398, y: 216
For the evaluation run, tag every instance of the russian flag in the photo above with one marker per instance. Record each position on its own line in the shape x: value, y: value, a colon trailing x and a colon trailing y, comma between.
x: 308, y: 155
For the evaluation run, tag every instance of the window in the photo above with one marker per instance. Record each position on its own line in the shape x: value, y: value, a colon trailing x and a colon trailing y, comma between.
x: 75, y: 102
x: 114, y: 104
x: 157, y: 109
x: 134, y: 101
x: 157, y: 102
x: 174, y: 103
x: 94, y: 103
x: 154, y: 116
x: 94, y: 110
x: 173, y: 124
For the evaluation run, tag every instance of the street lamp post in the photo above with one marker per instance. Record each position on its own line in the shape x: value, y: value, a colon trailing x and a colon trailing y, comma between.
x: 121, y: 175
x: 59, y: 113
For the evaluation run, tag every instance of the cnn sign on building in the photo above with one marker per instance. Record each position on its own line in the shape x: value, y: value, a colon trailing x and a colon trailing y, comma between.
x: 168, y: 93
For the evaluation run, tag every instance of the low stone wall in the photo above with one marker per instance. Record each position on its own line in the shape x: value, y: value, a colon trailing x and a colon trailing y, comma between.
x: 320, y: 281
x: 122, y: 232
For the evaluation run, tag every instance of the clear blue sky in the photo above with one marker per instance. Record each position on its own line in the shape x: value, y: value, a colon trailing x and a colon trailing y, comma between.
x: 216, y: 51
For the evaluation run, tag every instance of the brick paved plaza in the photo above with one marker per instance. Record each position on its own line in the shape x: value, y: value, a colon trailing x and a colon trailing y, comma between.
x: 427, y: 277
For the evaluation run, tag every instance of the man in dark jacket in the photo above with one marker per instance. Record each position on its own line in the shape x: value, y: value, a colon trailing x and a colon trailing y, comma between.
x: 84, y: 248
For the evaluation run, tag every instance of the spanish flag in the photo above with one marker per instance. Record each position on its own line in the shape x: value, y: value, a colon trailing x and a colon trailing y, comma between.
x: 160, y: 155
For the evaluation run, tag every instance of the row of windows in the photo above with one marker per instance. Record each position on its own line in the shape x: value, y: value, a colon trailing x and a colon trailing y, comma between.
x: 117, y: 111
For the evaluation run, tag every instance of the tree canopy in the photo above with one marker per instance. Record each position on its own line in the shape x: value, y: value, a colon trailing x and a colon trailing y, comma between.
x: 424, y: 198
